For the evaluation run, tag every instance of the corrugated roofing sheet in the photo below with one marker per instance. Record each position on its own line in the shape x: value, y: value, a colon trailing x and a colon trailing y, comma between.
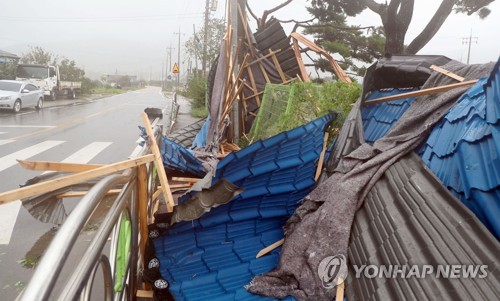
x: 378, y: 119
x: 212, y: 258
x: 177, y: 157
x: 463, y: 150
x: 410, y: 218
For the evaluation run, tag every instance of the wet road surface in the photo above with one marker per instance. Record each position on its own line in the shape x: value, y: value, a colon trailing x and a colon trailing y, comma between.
x: 99, y: 132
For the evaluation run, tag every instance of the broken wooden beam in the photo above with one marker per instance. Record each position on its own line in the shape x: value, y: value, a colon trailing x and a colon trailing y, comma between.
x: 270, y: 248
x: 278, y: 66
x: 57, y: 166
x: 44, y: 187
x: 167, y: 194
x: 433, y: 90
x: 76, y: 194
x: 182, y: 179
x: 321, y: 158
x: 302, y: 67
x: 447, y: 73
x: 336, y: 67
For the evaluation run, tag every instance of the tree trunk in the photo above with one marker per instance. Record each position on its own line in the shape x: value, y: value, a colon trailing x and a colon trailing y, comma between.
x: 432, y: 27
x: 396, y: 18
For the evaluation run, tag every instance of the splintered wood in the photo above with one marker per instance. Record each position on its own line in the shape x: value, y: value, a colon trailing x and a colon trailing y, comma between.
x: 339, y: 72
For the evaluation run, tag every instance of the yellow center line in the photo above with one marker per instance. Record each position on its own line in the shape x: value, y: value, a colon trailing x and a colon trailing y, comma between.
x: 68, y: 123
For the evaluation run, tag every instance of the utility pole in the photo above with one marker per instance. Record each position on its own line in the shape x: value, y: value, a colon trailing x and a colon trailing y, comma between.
x: 205, y: 38
x: 195, y: 50
x: 178, y: 56
x: 169, y: 49
x: 469, y: 40
x: 169, y: 66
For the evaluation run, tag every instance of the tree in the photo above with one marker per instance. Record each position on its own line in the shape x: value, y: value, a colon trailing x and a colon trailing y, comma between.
x: 38, y: 55
x: 354, y: 44
x: 69, y: 71
x: 396, y: 16
x: 8, y: 69
x: 194, y: 45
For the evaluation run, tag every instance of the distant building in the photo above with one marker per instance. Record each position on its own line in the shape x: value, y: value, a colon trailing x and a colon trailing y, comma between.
x: 8, y: 57
x: 114, y: 79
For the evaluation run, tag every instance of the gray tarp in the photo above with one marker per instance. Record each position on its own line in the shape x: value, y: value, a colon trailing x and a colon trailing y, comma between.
x: 321, y: 226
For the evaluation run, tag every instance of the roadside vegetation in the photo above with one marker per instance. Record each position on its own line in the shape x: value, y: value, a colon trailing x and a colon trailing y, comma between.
x: 196, y: 91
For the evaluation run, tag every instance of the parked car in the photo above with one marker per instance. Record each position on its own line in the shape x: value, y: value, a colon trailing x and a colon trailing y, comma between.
x: 15, y: 95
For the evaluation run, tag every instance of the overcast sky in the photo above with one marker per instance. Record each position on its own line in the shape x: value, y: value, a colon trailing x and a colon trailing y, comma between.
x: 132, y: 36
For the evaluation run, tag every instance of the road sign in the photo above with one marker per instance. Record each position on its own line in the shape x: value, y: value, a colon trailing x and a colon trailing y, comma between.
x: 169, y: 77
x: 176, y: 68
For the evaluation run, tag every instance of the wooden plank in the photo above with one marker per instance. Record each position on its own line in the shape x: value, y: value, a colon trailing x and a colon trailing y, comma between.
x: 302, y: 67
x: 142, y: 205
x: 179, y: 186
x: 245, y: 29
x: 254, y: 86
x: 181, y: 179
x: 76, y: 194
x: 144, y: 294
x: 278, y: 66
x: 321, y: 158
x: 270, y: 248
x: 157, y: 193
x: 231, y: 102
x: 263, y: 70
x: 263, y: 57
x: 57, y: 166
x: 43, y: 187
x: 428, y: 91
x: 167, y: 194
x: 240, y: 72
x: 447, y: 73
x: 253, y: 95
x: 340, y: 289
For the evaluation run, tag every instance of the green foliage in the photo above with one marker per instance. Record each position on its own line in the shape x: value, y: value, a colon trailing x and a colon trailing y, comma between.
x: 332, y: 31
x: 355, y: 46
x: 69, y: 71
x: 37, y: 55
x: 194, y: 46
x: 310, y: 102
x: 89, y: 86
x: 196, y: 91
x: 8, y: 69
x: 199, y: 112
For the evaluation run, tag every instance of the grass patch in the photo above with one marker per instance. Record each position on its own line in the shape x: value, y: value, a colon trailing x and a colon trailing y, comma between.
x: 108, y: 91
x: 199, y: 112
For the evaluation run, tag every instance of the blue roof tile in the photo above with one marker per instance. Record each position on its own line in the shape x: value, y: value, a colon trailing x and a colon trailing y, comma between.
x: 276, y: 174
x: 463, y: 149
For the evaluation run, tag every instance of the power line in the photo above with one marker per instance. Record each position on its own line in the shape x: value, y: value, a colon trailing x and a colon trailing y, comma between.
x: 99, y: 19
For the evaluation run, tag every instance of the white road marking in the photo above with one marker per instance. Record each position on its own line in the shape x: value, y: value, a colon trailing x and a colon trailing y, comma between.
x: 87, y: 153
x: 8, y: 217
x: 27, y: 126
x: 3, y: 142
x: 10, y: 160
x: 2, y: 133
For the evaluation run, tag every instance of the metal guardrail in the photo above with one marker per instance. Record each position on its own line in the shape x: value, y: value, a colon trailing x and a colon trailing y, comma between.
x: 124, y: 208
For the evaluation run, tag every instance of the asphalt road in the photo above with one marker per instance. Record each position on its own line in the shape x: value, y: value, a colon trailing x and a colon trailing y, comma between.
x: 100, y: 132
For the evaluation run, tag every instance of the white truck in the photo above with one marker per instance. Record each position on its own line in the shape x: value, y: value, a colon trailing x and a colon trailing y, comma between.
x: 48, y: 79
